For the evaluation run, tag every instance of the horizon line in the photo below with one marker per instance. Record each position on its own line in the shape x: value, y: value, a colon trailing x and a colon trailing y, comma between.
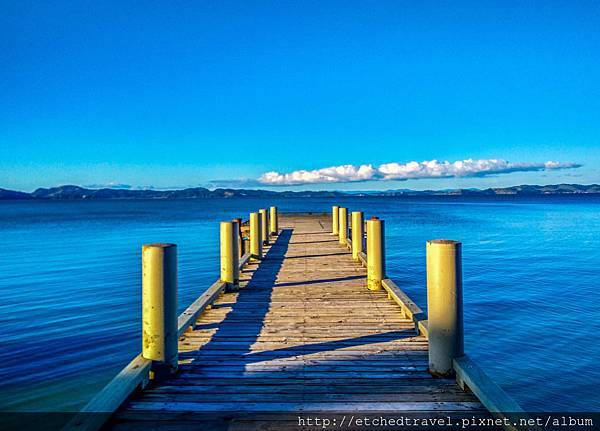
x: 124, y: 187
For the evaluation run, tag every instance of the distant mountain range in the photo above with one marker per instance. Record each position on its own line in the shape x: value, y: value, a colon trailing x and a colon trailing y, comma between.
x: 524, y: 190
x: 76, y: 192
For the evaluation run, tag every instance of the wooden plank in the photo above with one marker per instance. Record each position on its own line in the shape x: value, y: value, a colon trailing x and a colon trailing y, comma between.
x: 290, y: 336
x: 189, y: 316
x: 287, y: 388
x: 301, y: 355
x: 244, y: 260
x: 362, y: 257
x: 423, y: 328
x: 397, y: 364
x: 108, y: 400
x: 305, y: 372
x: 488, y: 392
x: 304, y: 407
x: 409, y: 307
x: 283, y: 340
x: 251, y: 381
x: 267, y: 397
x: 254, y: 421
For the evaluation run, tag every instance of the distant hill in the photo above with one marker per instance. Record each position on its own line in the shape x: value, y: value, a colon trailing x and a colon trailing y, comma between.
x: 70, y: 192
x: 523, y: 190
x: 75, y: 192
x: 10, y: 194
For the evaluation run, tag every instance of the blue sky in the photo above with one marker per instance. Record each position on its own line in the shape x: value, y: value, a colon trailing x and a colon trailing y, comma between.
x: 176, y: 94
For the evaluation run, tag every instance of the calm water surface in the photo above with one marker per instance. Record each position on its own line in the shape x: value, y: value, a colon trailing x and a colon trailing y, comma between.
x: 70, y: 285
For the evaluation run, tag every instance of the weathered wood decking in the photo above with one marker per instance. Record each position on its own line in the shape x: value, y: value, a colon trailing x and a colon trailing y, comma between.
x: 303, y: 334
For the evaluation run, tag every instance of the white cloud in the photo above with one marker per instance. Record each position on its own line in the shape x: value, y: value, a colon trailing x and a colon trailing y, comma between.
x: 334, y: 174
x: 406, y: 171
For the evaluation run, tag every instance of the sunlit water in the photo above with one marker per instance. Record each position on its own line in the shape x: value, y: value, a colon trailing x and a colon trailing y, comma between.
x: 70, y: 286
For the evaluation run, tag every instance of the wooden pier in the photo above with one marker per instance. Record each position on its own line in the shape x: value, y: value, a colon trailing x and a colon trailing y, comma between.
x: 301, y: 336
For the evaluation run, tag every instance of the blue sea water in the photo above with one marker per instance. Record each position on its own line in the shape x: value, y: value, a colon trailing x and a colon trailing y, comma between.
x: 70, y: 286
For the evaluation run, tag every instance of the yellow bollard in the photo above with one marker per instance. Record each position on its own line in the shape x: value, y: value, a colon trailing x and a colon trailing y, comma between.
x: 255, y: 241
x: 358, y: 233
x: 343, y: 225
x: 375, y: 253
x: 444, y: 305
x: 335, y: 219
x: 274, y: 221
x: 159, y: 308
x: 264, y: 226
x: 230, y: 271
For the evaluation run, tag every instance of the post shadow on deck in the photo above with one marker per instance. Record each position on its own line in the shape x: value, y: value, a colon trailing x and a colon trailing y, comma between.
x: 259, y: 289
